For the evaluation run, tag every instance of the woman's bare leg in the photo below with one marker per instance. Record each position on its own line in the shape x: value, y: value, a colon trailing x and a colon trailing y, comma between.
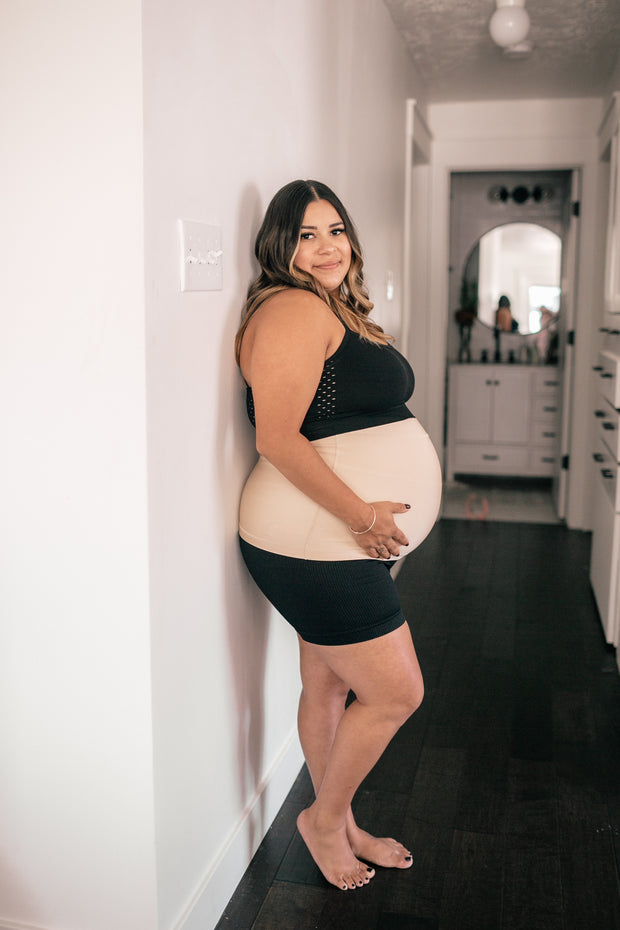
x: 386, y: 678
x: 321, y: 706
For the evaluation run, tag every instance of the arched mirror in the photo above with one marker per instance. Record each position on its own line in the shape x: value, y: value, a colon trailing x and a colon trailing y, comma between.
x: 519, y: 265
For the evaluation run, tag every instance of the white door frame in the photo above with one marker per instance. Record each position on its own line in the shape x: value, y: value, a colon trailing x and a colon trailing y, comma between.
x: 496, y: 137
x: 414, y: 337
x: 567, y: 333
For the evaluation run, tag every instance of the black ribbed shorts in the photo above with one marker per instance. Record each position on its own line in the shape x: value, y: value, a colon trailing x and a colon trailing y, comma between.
x: 328, y: 603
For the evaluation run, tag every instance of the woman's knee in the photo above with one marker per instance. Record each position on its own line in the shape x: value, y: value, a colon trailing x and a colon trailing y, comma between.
x: 403, y: 698
x: 411, y: 699
x: 318, y: 681
x: 415, y: 695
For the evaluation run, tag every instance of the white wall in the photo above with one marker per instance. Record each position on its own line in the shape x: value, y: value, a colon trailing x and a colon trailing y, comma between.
x: 76, y: 782
x: 238, y: 100
x: 516, y: 135
x: 149, y: 693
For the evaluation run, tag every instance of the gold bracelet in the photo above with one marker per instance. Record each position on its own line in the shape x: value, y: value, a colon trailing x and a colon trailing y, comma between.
x: 374, y: 520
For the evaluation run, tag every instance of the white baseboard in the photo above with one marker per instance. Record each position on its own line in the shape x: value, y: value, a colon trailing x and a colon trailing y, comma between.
x: 217, y: 887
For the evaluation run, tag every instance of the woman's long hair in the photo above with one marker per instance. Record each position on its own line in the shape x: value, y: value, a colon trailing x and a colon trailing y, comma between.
x: 276, y: 246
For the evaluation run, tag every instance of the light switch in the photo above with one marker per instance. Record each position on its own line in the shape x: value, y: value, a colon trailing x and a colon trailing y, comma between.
x: 201, y: 256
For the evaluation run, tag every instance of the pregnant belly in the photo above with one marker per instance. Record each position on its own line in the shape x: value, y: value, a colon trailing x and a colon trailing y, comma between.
x: 395, y: 462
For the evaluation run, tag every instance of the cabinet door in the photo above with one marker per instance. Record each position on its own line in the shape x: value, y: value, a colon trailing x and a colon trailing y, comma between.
x: 511, y: 405
x: 473, y: 393
x: 604, y: 560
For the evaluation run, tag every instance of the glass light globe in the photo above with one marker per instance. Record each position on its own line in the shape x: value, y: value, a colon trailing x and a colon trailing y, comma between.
x: 509, y: 25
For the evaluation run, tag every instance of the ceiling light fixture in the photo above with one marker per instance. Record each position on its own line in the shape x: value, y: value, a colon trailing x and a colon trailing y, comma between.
x: 510, y: 25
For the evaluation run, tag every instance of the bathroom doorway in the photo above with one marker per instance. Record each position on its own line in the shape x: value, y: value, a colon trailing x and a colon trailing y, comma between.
x: 513, y: 239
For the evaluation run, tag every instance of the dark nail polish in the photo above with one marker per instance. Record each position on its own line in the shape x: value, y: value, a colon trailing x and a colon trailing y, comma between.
x: 408, y: 506
x: 408, y: 858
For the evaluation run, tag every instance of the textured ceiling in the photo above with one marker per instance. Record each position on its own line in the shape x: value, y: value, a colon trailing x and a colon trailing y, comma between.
x: 576, y: 44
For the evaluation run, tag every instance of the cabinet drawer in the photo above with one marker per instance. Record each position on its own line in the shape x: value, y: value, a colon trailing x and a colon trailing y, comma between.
x: 546, y: 381
x: 608, y: 427
x: 544, y: 434
x: 545, y: 408
x: 607, y: 474
x: 543, y: 463
x: 491, y: 460
x: 609, y: 381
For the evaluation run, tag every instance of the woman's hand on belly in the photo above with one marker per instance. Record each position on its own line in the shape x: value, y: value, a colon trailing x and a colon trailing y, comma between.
x: 384, y: 539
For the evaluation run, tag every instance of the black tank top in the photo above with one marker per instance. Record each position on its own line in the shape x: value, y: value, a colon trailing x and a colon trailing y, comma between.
x: 363, y: 384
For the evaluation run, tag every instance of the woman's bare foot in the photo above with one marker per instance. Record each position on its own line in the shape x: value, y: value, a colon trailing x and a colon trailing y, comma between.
x: 332, y: 853
x: 383, y: 851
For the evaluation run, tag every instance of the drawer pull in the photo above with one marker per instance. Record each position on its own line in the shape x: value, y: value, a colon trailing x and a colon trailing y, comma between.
x: 548, y: 459
x: 490, y: 458
x: 551, y: 383
x: 607, y: 473
x: 600, y: 413
x: 598, y: 456
x: 597, y: 368
x: 609, y: 425
x: 607, y: 374
x: 549, y: 435
x: 549, y: 409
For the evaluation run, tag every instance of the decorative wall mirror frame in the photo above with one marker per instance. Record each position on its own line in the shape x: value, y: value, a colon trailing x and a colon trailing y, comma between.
x: 520, y: 261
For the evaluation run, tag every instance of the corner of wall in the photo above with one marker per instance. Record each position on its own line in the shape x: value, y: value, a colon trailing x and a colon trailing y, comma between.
x: 226, y: 871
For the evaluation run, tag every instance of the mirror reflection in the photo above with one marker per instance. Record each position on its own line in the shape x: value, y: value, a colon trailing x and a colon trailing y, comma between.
x: 511, y: 278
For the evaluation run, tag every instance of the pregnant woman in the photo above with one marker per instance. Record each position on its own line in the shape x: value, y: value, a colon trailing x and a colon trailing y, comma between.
x: 347, y: 482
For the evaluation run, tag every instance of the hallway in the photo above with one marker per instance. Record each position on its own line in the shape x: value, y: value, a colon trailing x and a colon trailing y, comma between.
x: 506, y: 783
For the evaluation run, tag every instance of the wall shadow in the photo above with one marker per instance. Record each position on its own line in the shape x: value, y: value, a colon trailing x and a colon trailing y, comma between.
x: 247, y: 611
x: 17, y: 902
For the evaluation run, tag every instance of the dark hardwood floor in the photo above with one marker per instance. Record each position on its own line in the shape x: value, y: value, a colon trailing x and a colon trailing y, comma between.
x: 506, y: 783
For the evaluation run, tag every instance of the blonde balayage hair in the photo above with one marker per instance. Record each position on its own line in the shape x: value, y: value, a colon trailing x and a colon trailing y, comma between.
x: 276, y: 247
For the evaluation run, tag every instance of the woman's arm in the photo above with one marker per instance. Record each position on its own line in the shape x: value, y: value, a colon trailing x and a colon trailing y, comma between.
x: 283, y: 353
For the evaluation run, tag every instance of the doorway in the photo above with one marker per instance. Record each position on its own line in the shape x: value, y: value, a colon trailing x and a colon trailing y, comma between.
x: 512, y: 261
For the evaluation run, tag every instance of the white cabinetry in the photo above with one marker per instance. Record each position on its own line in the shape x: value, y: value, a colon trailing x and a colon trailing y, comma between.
x: 503, y: 420
x: 605, y: 558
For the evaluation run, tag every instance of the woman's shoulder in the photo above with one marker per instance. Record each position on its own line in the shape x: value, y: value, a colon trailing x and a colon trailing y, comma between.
x: 297, y: 296
x: 292, y: 321
x: 293, y: 308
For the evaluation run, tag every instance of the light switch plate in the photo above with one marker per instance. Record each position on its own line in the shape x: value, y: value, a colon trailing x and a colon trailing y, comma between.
x: 201, y: 256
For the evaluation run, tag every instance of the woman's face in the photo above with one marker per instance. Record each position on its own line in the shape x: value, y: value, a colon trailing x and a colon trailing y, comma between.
x: 324, y: 249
